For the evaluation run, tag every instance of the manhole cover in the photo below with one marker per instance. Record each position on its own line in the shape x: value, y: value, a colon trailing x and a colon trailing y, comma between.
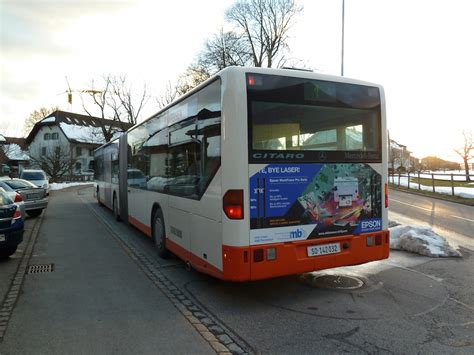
x: 338, y: 282
x: 39, y: 269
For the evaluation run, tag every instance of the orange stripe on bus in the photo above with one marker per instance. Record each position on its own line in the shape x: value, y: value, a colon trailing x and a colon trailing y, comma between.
x: 140, y: 226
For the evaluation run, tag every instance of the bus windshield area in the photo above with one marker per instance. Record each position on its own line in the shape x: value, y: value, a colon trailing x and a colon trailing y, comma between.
x: 294, y: 114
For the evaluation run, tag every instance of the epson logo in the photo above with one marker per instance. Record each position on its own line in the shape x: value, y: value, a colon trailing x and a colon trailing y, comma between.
x: 278, y: 155
x: 371, y: 224
x: 297, y: 234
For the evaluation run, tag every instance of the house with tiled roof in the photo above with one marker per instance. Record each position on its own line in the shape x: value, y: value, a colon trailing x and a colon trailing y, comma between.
x: 72, y: 134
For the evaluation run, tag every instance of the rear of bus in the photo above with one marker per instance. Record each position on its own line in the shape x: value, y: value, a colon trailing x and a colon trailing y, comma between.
x: 303, y: 173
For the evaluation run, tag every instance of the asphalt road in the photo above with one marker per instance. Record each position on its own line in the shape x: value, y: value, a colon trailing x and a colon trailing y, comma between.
x: 442, y: 214
x: 110, y: 273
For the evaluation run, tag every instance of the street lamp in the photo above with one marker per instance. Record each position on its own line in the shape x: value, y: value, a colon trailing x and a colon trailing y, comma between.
x: 342, y: 44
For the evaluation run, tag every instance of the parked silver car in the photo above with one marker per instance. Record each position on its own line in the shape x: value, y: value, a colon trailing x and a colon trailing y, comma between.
x: 35, y: 198
x: 37, y: 177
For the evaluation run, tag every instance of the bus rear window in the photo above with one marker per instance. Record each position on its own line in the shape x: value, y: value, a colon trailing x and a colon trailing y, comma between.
x: 320, y: 120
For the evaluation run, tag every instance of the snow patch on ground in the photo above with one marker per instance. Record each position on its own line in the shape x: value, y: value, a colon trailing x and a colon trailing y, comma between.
x: 65, y: 185
x: 420, y: 240
x: 466, y: 192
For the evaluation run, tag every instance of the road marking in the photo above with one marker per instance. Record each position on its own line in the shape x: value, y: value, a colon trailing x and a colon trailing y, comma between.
x: 466, y: 219
x: 420, y: 208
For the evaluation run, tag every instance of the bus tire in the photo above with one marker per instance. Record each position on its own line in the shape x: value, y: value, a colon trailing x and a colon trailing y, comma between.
x: 159, y: 234
x: 98, y: 198
x: 115, y: 209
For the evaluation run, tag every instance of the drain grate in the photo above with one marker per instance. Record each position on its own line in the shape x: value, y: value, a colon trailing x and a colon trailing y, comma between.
x: 40, y: 269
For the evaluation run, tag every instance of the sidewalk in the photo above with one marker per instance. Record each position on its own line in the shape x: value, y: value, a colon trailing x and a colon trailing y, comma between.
x: 96, y: 300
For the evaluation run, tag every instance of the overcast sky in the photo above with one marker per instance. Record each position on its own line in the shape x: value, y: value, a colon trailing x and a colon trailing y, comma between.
x: 420, y: 51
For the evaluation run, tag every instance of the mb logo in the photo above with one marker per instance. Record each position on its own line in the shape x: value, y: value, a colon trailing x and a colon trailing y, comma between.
x: 297, y: 234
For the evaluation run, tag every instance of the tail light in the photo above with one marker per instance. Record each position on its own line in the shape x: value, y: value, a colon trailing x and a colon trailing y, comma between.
x: 386, y: 195
x: 233, y: 204
x: 18, y: 197
x: 16, y: 216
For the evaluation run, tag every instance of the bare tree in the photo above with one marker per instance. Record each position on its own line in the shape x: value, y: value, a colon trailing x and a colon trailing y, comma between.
x: 37, y: 115
x: 56, y: 161
x: 129, y: 105
x: 115, y: 100
x: 170, y: 94
x: 98, y: 97
x: 225, y: 49
x: 466, y: 152
x: 265, y: 25
x: 194, y: 75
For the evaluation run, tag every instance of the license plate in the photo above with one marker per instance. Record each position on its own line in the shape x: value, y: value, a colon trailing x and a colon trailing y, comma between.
x: 2, y: 237
x: 324, y: 249
x: 32, y: 196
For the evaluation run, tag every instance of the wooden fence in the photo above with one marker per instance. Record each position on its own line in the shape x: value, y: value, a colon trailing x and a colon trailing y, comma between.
x: 450, y: 180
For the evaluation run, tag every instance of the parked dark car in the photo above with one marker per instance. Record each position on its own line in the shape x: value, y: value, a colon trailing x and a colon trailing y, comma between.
x: 11, y: 226
x: 35, y: 198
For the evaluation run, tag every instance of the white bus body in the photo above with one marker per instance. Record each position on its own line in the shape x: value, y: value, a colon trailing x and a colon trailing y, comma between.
x: 257, y: 173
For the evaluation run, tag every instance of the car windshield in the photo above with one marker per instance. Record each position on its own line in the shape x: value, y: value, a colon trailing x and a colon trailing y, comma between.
x: 19, y: 184
x: 33, y: 175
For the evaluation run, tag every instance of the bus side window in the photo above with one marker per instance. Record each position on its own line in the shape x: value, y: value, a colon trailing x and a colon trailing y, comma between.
x: 182, y: 160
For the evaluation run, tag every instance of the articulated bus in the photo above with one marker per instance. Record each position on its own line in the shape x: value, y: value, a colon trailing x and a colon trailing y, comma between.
x: 257, y: 173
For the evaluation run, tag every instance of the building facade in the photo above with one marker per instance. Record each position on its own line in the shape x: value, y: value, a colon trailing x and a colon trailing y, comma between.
x: 63, y: 143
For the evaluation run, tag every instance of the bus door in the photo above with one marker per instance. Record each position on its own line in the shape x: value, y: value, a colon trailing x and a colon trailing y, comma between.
x: 108, y: 177
x: 123, y: 193
x: 183, y: 181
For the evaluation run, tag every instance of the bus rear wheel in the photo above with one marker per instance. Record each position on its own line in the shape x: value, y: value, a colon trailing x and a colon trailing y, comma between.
x: 98, y: 198
x: 159, y: 235
x: 115, y: 209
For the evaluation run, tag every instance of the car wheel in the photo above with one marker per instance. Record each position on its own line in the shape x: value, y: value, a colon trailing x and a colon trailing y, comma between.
x: 6, y: 252
x: 34, y: 213
x: 115, y: 209
x: 159, y: 235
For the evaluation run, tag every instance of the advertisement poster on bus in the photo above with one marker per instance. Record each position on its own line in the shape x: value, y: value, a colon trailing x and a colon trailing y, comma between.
x: 306, y: 201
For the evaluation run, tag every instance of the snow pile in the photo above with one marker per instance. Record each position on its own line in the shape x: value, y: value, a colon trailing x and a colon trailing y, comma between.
x: 64, y: 185
x: 420, y: 240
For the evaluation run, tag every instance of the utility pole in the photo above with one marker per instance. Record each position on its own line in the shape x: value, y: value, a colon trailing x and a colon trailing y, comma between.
x: 342, y: 44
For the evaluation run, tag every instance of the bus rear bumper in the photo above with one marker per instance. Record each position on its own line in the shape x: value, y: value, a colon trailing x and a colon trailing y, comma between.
x: 252, y: 263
